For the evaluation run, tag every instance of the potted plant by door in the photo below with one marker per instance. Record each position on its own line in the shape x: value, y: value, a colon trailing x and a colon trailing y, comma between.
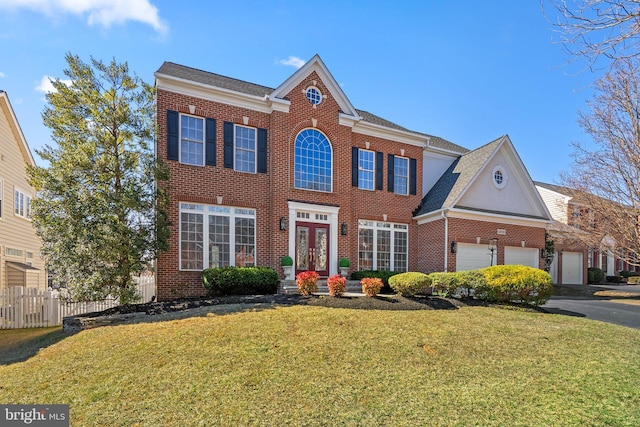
x: 287, y: 265
x: 344, y: 266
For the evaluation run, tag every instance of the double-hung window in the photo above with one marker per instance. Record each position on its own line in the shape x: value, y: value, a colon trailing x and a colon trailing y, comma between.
x: 191, y: 140
x: 366, y: 169
x: 245, y: 149
x: 382, y: 246
x: 401, y: 175
x: 216, y: 236
x: 21, y: 204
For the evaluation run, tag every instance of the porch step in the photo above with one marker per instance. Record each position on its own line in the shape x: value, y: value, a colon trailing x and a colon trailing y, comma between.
x: 289, y: 287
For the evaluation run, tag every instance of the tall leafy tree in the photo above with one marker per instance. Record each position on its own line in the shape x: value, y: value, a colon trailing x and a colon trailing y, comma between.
x: 98, y: 210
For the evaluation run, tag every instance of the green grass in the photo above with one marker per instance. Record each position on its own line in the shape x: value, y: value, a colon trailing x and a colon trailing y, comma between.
x: 317, y: 366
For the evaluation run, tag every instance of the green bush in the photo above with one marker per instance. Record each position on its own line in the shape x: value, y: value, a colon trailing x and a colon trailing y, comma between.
x: 444, y: 283
x: 595, y: 275
x: 286, y: 261
x: 409, y: 284
x: 469, y: 281
x: 515, y: 283
x: 615, y: 279
x: 344, y: 263
x: 240, y: 280
x: 626, y: 274
x: 634, y: 280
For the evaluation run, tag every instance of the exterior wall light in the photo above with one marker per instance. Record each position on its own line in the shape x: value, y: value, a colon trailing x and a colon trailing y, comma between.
x: 283, y: 223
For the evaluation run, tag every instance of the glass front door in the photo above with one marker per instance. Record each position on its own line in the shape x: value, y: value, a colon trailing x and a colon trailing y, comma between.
x: 312, y: 248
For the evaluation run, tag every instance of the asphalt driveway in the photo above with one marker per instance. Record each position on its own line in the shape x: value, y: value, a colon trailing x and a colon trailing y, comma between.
x: 618, y: 304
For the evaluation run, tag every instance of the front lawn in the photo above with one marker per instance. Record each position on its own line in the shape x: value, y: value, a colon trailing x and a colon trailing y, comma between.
x: 304, y: 365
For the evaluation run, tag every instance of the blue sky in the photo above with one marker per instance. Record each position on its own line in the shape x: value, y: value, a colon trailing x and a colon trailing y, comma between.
x: 468, y: 71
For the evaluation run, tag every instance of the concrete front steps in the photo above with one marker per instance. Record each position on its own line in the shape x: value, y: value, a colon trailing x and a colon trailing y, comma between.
x: 288, y: 287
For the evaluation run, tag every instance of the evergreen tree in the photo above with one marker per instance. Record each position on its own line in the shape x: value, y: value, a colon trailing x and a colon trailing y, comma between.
x: 98, y: 210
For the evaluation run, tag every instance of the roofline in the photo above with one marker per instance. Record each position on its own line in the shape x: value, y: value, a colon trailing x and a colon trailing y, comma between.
x: 481, y: 216
x: 5, y: 97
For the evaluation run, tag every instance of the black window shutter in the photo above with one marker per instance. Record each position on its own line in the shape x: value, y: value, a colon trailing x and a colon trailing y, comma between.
x: 262, y: 150
x: 412, y: 176
x: 354, y: 166
x: 228, y: 145
x: 379, y: 166
x: 210, y: 147
x: 173, y: 135
x: 391, y: 170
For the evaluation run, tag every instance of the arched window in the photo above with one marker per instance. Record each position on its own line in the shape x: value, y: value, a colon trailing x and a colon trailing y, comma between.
x: 313, y: 160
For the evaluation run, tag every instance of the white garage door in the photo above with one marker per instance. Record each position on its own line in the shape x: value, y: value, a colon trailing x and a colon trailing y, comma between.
x: 521, y: 256
x: 472, y: 257
x: 572, y: 268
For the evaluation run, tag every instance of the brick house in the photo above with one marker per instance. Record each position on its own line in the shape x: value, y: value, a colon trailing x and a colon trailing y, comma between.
x: 571, y: 217
x: 258, y: 173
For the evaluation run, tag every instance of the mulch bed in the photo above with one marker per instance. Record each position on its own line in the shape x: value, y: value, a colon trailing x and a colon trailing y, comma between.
x: 381, y: 302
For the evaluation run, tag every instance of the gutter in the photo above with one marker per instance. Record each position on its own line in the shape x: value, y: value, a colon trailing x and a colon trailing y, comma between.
x: 446, y: 241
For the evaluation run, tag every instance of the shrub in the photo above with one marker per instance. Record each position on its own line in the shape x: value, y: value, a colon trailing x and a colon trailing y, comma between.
x: 307, y: 282
x: 240, y: 280
x: 594, y: 275
x: 371, y: 286
x: 409, y: 284
x: 626, y: 274
x: 469, y: 281
x: 515, y: 283
x: 344, y: 263
x: 615, y: 279
x: 444, y: 283
x: 634, y: 280
x: 337, y: 285
x: 380, y: 274
x: 286, y: 261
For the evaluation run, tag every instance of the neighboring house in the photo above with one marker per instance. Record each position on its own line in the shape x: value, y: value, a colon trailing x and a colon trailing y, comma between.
x: 258, y: 173
x: 570, y: 219
x: 20, y: 261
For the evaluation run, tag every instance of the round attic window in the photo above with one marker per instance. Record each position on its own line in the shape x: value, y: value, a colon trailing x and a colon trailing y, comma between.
x: 499, y: 177
x: 314, y: 96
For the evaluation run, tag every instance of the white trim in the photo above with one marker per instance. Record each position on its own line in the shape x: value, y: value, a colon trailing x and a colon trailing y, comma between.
x: 392, y: 229
x: 373, y: 180
x: 263, y: 104
x: 255, y: 150
x: 25, y: 146
x: 316, y: 64
x: 204, y: 138
x: 408, y: 174
x: 362, y: 127
x: 232, y: 215
x: 331, y: 212
x: 503, y: 176
x: 481, y: 216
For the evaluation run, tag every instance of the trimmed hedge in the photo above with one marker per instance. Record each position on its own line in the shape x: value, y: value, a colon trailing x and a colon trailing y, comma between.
x: 634, y: 280
x: 444, y: 283
x: 469, y: 281
x: 380, y: 274
x: 595, y: 275
x: 240, y: 280
x: 626, y: 274
x: 615, y: 279
x: 409, y: 284
x: 515, y: 283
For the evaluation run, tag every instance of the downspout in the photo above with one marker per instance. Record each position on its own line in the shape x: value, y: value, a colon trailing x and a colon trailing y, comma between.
x: 446, y: 241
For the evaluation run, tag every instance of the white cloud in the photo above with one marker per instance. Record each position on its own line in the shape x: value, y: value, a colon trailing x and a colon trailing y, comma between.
x: 100, y: 12
x: 292, y: 61
x: 46, y: 86
x: 2, y: 74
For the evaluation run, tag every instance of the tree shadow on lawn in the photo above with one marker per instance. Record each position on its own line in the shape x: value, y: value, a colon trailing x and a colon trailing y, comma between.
x: 18, y: 345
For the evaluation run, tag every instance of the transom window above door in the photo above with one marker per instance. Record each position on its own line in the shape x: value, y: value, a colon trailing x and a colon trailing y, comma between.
x: 313, y: 158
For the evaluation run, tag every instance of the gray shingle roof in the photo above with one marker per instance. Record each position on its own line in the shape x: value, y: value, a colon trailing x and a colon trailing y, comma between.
x: 557, y: 188
x: 453, y: 182
x: 217, y: 80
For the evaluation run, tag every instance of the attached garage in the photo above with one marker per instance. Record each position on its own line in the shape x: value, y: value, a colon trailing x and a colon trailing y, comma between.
x: 472, y: 257
x: 572, y: 268
x: 521, y: 256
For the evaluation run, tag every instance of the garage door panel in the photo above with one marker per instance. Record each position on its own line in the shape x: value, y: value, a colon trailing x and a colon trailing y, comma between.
x: 472, y: 257
x: 572, y: 268
x: 514, y: 255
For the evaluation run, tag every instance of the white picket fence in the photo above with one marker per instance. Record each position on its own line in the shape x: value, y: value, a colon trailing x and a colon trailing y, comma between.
x: 32, y: 308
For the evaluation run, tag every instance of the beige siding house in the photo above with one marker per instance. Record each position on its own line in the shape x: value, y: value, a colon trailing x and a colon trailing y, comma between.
x: 20, y: 260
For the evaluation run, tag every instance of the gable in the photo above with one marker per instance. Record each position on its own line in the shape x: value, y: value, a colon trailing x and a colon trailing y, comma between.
x: 517, y: 196
x: 12, y: 132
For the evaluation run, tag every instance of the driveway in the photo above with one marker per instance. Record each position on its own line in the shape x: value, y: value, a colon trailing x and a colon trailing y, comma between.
x: 618, y: 304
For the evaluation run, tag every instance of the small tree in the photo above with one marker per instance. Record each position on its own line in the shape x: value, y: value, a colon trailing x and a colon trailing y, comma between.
x: 549, y: 252
x: 98, y: 210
